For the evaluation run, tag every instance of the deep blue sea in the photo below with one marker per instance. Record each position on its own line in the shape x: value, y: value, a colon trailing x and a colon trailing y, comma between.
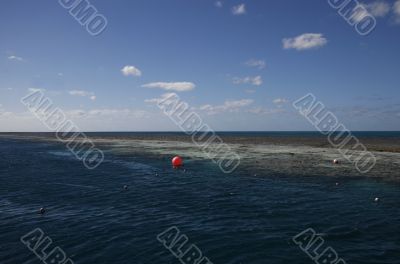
x: 243, y: 217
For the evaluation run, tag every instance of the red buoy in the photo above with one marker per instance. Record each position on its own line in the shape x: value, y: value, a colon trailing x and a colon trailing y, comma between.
x: 177, y: 162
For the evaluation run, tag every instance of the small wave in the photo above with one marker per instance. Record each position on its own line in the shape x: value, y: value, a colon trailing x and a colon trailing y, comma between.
x: 135, y: 165
x: 75, y: 185
x: 61, y: 153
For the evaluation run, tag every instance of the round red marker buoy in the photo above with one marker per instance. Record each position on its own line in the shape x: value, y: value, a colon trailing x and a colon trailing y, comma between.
x: 177, y: 162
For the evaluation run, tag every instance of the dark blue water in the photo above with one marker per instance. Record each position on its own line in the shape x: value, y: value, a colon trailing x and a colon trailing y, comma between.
x: 232, y: 218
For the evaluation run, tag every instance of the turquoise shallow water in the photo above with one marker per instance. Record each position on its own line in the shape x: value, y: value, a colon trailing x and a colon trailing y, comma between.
x: 233, y: 218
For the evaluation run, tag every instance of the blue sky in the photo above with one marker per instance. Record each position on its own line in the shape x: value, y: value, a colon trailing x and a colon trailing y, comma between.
x: 238, y: 64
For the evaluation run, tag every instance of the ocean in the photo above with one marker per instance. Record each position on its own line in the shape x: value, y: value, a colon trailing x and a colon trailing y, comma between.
x: 284, y: 185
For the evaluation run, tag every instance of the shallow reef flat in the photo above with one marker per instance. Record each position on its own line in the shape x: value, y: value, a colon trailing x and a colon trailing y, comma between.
x: 289, y: 155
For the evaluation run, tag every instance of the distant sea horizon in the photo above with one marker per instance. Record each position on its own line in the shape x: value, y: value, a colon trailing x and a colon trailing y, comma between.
x: 216, y: 131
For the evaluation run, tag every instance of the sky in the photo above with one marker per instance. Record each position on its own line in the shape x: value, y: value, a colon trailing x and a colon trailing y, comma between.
x: 238, y: 64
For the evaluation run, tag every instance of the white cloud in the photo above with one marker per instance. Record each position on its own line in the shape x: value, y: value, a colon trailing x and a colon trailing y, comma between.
x: 280, y: 101
x: 238, y: 103
x: 396, y: 11
x: 75, y: 113
x: 257, y: 80
x: 360, y: 11
x: 89, y: 120
x: 99, y: 112
x: 228, y: 106
x: 33, y: 90
x: 171, y: 86
x: 157, y: 100
x: 239, y: 9
x: 262, y: 111
x: 80, y: 93
x: 376, y: 9
x: 260, y: 64
x: 218, y: 3
x: 131, y: 70
x: 396, y: 7
x: 105, y: 113
x: 5, y: 113
x: 16, y: 58
x: 83, y: 93
x: 304, y: 41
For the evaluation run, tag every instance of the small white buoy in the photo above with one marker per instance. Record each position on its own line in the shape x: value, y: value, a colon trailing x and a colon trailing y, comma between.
x: 125, y: 187
x: 42, y: 211
x: 337, y: 184
x: 335, y: 161
x: 376, y: 199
